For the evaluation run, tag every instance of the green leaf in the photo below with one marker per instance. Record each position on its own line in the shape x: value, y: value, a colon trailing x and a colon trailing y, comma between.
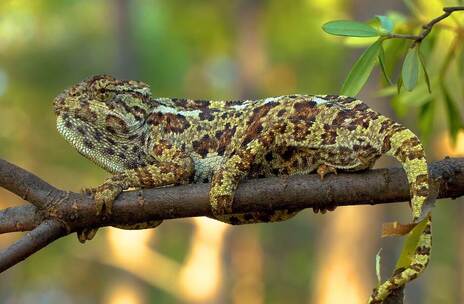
x: 349, y: 28
x: 361, y: 70
x: 410, y: 70
x: 386, y: 23
x: 382, y: 65
x: 454, y: 118
x: 410, y: 244
x: 460, y: 61
x: 426, y: 75
x: 378, y: 265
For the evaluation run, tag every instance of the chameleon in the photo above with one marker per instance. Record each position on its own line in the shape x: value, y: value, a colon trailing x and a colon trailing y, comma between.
x: 146, y: 141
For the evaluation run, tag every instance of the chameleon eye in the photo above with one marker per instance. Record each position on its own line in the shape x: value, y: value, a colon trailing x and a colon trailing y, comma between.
x: 116, y: 124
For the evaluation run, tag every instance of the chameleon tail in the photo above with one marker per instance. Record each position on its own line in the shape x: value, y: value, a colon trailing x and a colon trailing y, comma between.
x: 404, y: 145
x: 419, y: 260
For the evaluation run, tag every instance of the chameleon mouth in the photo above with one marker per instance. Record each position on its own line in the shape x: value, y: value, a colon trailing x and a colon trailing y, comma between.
x: 83, y: 145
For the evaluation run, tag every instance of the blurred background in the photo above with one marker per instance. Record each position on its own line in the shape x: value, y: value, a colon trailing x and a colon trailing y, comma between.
x: 209, y: 50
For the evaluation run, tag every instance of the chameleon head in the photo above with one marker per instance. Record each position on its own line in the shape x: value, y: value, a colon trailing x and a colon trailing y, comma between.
x: 103, y: 119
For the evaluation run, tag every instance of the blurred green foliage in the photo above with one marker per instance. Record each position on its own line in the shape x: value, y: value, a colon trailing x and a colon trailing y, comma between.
x: 412, y: 31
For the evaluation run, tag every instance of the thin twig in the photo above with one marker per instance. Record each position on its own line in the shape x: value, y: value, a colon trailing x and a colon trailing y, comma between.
x: 427, y: 27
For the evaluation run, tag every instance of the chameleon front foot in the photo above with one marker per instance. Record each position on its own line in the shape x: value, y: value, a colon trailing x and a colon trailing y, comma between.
x: 86, y: 234
x: 104, y: 196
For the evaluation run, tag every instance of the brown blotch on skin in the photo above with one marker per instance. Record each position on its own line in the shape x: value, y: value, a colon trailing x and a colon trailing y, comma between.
x: 86, y: 114
x: 346, y: 99
x: 410, y: 149
x: 133, y: 136
x: 255, y: 122
x: 305, y: 109
x: 329, y: 137
x: 423, y: 178
x: 162, y: 146
x: 427, y: 230
x: 423, y: 250
x: 206, y: 114
x: 269, y: 156
x: 138, y: 112
x: 224, y: 138
x: 359, y: 107
x: 385, y: 125
x: 281, y: 113
x: 205, y: 145
x: 190, y: 104
x: 110, y: 129
x: 300, y: 130
x: 288, y: 153
x: 342, y: 117
x: 174, y: 123
x: 260, y: 112
x: 416, y: 267
x: 230, y: 103
x: 145, y: 177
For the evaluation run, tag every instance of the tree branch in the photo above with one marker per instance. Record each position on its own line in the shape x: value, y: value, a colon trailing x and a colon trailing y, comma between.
x: 33, y: 241
x: 57, y: 213
x: 426, y: 28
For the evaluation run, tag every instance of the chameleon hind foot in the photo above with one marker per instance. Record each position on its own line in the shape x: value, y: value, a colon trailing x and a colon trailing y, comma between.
x: 324, y: 169
x: 323, y: 210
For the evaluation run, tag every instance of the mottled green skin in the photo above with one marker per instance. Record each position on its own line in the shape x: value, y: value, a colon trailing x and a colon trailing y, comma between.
x: 153, y: 142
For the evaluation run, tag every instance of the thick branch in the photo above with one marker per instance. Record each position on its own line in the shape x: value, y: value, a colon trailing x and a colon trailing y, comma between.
x: 73, y: 211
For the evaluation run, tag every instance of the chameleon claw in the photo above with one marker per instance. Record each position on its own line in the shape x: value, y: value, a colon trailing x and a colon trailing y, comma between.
x: 86, y: 234
x: 104, y: 200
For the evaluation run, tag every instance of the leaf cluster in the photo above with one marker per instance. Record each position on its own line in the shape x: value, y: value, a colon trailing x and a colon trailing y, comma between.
x: 405, y: 57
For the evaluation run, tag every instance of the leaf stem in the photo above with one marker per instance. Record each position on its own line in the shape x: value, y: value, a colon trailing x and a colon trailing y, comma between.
x: 426, y: 28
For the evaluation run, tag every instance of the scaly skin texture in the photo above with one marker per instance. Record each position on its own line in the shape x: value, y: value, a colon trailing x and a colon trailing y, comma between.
x: 151, y: 142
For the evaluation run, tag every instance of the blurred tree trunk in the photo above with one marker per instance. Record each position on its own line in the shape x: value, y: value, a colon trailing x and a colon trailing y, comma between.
x: 246, y: 251
x: 347, y: 248
x: 126, y: 61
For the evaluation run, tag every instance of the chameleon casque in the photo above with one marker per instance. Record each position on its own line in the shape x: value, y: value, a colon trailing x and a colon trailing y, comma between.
x: 151, y: 142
